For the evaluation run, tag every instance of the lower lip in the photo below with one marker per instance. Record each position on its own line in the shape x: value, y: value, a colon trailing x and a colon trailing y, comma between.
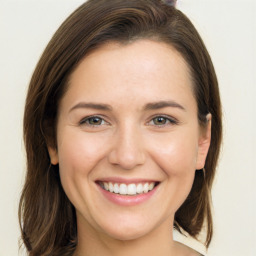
x: 126, y: 200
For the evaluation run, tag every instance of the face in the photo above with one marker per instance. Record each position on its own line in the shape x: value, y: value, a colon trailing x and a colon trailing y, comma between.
x: 128, y: 138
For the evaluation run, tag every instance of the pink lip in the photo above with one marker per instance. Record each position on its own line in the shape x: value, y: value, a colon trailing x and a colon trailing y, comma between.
x: 125, y: 181
x: 125, y: 200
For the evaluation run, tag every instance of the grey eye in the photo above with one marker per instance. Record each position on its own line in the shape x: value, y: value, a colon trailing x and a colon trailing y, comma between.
x: 94, y: 120
x: 160, y: 120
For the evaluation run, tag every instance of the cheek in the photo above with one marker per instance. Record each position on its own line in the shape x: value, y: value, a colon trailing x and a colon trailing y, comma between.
x: 79, y: 151
x: 176, y: 154
x: 177, y: 159
x: 78, y: 155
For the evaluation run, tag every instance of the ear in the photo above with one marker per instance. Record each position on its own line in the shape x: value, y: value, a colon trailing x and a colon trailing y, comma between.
x: 49, y: 134
x: 204, y: 143
x: 53, y: 155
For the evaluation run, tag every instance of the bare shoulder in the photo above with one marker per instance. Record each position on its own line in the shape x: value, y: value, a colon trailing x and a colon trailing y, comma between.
x: 186, y: 251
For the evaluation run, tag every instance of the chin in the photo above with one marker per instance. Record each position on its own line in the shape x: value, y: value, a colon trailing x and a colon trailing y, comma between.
x: 129, y: 228
x: 127, y: 234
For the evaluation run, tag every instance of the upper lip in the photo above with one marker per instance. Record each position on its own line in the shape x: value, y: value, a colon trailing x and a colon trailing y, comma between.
x: 125, y: 181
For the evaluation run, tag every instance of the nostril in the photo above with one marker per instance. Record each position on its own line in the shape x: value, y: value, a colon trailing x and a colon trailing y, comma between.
x: 126, y: 159
x: 127, y: 149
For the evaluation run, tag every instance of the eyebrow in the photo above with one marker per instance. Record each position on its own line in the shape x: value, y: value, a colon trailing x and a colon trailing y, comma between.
x: 163, y: 104
x: 148, y: 106
x: 98, y: 106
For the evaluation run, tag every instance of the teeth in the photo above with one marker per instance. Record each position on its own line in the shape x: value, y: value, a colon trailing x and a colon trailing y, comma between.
x: 145, y: 188
x: 105, y: 184
x: 110, y: 187
x: 151, y: 186
x: 116, y: 188
x: 122, y: 189
x: 139, y: 189
x: 130, y: 189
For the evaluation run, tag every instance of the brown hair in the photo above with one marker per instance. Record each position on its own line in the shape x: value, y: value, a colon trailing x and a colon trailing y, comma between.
x: 47, y: 218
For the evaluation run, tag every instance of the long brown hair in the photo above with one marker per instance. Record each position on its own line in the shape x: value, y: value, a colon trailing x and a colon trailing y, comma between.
x: 47, y: 217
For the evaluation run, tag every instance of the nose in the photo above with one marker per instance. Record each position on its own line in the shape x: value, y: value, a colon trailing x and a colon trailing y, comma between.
x: 127, y: 151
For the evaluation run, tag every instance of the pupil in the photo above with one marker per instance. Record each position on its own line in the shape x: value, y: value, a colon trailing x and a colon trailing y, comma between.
x: 160, y: 120
x: 95, y: 120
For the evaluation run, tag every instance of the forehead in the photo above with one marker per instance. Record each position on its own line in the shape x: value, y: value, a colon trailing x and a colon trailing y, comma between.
x: 143, y: 54
x: 143, y: 68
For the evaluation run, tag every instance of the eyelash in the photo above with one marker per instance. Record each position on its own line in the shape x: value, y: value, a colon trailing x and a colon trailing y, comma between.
x: 87, y: 119
x: 168, y: 121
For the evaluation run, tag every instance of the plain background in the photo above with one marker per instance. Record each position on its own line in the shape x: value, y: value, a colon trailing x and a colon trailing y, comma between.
x: 229, y: 31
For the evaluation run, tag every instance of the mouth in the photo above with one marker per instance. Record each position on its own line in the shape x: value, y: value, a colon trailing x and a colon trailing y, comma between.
x: 130, y: 189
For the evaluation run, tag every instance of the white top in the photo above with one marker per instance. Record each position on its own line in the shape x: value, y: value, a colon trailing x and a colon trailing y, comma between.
x: 189, y: 241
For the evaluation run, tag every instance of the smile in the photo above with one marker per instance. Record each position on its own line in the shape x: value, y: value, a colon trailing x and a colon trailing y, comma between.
x: 131, y: 189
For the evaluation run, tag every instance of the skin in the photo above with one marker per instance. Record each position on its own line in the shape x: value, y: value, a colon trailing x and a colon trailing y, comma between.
x: 128, y: 141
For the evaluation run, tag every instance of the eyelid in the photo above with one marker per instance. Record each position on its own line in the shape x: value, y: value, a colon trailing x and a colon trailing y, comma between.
x: 83, y: 120
x: 172, y: 120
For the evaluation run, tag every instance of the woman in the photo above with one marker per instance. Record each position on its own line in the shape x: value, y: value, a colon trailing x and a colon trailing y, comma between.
x: 122, y: 129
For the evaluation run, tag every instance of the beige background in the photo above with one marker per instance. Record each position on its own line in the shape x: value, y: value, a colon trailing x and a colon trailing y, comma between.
x: 229, y: 31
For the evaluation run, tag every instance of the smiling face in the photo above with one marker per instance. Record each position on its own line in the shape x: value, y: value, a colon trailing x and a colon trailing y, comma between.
x: 128, y: 139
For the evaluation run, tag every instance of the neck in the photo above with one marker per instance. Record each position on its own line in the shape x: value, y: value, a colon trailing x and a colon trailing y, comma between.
x: 157, y: 242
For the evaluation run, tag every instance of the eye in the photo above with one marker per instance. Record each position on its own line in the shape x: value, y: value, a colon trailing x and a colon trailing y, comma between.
x: 93, y: 121
x: 162, y: 121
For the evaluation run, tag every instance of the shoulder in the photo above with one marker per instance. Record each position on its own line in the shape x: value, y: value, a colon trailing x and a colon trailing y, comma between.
x: 191, y: 246
x: 187, y: 251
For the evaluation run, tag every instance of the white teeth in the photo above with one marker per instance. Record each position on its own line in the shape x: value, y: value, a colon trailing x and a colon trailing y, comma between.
x: 130, y: 189
x: 105, y: 184
x: 145, y: 188
x: 116, y: 188
x: 139, y: 189
x: 123, y: 189
x: 110, y: 187
x: 151, y: 186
